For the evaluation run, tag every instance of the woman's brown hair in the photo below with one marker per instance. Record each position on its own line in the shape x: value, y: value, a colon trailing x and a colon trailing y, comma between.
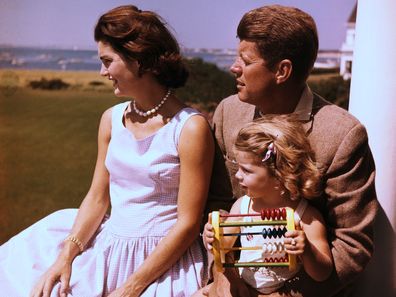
x: 143, y: 36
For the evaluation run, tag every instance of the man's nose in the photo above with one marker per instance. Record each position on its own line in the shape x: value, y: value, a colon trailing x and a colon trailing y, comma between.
x: 236, y: 67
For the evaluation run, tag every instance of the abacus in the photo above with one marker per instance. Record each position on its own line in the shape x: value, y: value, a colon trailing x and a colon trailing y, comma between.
x: 276, y: 222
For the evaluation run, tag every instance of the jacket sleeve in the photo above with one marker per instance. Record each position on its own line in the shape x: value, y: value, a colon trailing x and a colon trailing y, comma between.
x: 350, y: 210
x: 352, y: 204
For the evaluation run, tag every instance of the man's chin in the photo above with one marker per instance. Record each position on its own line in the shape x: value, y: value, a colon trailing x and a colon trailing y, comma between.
x: 243, y: 98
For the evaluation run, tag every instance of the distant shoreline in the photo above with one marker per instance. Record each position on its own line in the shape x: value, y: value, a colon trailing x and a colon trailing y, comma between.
x: 87, y: 60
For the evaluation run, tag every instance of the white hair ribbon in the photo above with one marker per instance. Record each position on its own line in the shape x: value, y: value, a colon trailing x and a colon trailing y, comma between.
x: 271, y: 150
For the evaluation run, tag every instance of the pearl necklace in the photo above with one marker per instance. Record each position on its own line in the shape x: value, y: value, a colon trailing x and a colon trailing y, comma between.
x: 153, y: 110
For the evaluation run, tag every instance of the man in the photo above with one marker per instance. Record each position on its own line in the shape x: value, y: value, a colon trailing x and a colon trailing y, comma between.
x: 277, y: 50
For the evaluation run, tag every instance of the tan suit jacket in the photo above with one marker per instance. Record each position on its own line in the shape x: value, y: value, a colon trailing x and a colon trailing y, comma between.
x: 349, y: 205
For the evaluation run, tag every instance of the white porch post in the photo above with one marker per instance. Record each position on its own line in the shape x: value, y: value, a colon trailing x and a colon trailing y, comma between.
x: 373, y: 102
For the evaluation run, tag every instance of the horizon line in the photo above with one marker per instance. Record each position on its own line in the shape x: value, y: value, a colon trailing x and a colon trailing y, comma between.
x: 77, y: 48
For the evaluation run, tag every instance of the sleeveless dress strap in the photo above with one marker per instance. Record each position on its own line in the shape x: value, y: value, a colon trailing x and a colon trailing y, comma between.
x: 180, y: 120
x: 117, y: 114
x: 245, y: 205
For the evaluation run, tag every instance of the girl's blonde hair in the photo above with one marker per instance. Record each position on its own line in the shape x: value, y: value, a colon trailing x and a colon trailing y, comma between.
x: 291, y: 160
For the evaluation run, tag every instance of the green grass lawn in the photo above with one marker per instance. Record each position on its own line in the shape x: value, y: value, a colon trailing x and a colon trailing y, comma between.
x: 48, y: 145
x: 48, y: 139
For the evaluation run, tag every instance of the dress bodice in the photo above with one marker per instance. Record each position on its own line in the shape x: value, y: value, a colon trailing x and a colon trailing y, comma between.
x: 144, y: 176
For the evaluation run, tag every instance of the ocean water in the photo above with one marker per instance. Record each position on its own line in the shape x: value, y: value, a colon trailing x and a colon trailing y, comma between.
x: 72, y: 60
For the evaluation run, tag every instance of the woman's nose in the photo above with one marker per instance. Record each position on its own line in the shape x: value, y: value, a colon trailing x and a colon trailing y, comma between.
x: 103, y: 70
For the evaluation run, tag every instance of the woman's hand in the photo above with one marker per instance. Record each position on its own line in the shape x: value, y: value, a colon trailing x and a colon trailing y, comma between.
x: 227, y: 283
x: 59, y: 271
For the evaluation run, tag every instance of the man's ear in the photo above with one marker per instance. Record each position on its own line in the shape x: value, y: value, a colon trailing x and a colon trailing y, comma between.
x: 284, y: 71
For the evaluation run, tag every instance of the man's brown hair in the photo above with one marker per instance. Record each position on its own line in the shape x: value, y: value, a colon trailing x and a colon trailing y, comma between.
x: 282, y: 32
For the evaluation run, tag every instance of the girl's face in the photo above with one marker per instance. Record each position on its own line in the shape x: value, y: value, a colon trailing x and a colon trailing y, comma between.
x: 255, y: 81
x: 124, y: 75
x: 255, y: 178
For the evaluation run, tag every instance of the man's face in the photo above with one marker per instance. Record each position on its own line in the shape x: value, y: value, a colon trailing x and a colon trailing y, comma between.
x: 255, y: 81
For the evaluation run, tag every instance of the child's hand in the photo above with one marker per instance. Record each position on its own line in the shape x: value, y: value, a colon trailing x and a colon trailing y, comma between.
x: 208, y: 236
x: 295, y: 242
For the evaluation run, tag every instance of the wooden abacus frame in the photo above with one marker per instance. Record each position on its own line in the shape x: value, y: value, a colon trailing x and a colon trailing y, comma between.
x: 269, y: 217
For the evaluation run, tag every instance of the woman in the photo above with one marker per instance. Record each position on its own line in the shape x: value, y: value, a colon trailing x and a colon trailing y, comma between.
x: 153, y: 167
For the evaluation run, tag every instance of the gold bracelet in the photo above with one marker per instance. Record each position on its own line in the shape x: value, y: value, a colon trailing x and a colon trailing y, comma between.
x: 76, y: 241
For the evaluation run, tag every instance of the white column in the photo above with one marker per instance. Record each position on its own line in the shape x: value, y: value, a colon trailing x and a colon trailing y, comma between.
x: 373, y: 102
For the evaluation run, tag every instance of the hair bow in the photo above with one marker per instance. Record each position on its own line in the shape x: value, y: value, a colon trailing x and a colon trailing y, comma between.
x: 271, y: 150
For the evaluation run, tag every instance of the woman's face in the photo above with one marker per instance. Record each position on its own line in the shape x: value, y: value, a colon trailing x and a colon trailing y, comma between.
x: 255, y: 81
x: 124, y: 75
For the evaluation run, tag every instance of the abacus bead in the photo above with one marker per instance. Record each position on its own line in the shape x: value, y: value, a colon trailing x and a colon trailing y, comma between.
x: 264, y: 232
x: 274, y: 232
x: 277, y: 232
x: 280, y: 247
x: 262, y: 213
x: 267, y: 214
x: 277, y: 213
x: 273, y: 214
x: 283, y: 213
x: 270, y: 248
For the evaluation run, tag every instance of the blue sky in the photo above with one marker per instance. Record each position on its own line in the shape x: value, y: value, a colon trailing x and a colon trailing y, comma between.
x: 196, y: 23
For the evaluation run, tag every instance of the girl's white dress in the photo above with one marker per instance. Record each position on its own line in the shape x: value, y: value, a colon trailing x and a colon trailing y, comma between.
x: 144, y: 183
x: 265, y: 279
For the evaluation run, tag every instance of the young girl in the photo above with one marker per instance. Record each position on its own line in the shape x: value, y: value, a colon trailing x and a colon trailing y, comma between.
x: 276, y: 169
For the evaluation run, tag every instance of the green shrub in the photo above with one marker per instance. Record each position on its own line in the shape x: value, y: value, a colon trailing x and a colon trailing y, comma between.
x: 334, y: 89
x: 207, y: 84
x: 49, y: 84
x: 96, y: 83
x: 325, y: 70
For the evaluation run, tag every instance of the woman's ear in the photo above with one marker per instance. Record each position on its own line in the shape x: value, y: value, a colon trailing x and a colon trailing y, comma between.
x: 284, y: 71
